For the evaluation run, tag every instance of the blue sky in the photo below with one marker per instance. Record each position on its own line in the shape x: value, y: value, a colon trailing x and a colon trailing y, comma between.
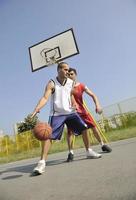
x: 106, y: 36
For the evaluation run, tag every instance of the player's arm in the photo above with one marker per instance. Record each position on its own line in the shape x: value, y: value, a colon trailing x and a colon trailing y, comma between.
x: 42, y: 102
x: 73, y: 101
x: 74, y: 106
x: 95, y: 99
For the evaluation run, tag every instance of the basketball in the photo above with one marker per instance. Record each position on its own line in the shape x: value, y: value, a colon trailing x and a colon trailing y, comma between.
x: 42, y: 131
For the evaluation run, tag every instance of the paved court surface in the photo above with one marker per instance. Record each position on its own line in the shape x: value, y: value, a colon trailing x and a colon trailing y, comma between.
x: 112, y: 177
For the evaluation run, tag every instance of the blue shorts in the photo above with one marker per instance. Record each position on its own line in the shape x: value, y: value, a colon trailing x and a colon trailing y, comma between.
x: 73, y: 122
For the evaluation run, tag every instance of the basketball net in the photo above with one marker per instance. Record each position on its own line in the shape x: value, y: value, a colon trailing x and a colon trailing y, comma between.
x: 49, y: 55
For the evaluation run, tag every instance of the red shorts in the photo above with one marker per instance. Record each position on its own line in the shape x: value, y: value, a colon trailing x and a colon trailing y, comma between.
x: 87, y: 118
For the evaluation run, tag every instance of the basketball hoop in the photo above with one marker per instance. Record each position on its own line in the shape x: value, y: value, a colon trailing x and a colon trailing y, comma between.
x: 49, y: 55
x: 53, y: 50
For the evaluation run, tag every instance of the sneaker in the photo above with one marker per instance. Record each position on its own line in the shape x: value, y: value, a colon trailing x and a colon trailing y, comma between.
x: 70, y: 157
x: 92, y: 154
x: 40, y: 168
x: 106, y: 148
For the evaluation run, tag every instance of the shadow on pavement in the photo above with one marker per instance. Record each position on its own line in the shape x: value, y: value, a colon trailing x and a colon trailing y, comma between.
x: 12, y: 177
x: 29, y: 168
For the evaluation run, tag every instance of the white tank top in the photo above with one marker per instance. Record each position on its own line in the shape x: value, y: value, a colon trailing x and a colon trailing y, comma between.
x: 61, y: 98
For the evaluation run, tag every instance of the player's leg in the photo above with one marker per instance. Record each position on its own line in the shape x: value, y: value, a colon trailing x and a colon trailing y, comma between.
x: 97, y: 135
x: 70, y: 142
x: 89, y: 152
x: 86, y: 139
x: 45, y: 149
x: 57, y: 124
x: 75, y: 123
x: 40, y: 168
x: 87, y: 118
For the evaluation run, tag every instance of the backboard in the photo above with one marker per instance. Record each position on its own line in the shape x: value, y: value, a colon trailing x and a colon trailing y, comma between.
x: 53, y: 50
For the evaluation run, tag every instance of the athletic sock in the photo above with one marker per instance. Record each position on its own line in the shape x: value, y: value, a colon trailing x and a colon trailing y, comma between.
x: 42, y: 161
x: 71, y: 151
x: 89, y: 149
x: 102, y: 143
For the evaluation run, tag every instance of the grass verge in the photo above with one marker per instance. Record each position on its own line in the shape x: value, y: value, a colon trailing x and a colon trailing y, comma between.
x: 62, y: 145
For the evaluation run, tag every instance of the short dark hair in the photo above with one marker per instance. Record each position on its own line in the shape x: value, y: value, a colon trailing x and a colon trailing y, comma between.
x: 72, y: 69
x: 60, y: 65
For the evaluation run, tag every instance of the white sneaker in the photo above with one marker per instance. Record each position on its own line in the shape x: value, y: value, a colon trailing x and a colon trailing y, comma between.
x: 40, y: 168
x: 92, y: 154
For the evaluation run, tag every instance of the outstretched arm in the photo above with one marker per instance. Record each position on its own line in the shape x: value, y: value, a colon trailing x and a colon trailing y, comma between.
x: 47, y: 93
x: 98, y: 108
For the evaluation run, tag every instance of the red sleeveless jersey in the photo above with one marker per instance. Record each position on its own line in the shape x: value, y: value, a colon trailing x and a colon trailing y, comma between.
x: 84, y: 114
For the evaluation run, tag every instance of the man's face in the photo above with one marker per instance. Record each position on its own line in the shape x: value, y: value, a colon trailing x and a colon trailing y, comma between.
x: 63, y: 72
x: 72, y: 75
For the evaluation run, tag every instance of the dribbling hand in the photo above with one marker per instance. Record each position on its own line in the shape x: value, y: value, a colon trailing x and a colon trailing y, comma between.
x: 34, y: 113
x: 99, y: 110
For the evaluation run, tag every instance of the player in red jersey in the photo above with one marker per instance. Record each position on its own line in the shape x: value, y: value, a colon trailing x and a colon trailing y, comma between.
x: 78, y: 91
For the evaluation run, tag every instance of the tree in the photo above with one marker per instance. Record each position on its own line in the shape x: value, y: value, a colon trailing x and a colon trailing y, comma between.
x: 27, y: 124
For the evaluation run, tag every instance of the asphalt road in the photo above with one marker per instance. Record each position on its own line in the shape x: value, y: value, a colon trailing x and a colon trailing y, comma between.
x: 112, y: 177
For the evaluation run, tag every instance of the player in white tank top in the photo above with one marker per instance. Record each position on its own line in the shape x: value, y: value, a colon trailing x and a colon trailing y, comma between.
x: 61, y: 93
x: 61, y: 98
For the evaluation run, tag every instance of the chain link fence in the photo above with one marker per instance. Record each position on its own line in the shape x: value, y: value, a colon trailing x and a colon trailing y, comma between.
x: 119, y: 115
